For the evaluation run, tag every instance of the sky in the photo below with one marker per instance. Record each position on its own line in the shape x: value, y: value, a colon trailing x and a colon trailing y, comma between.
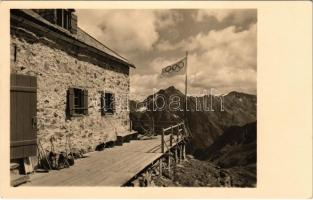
x: 221, y: 45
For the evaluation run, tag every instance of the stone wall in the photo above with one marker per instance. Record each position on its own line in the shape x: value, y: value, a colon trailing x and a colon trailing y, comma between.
x: 58, y: 66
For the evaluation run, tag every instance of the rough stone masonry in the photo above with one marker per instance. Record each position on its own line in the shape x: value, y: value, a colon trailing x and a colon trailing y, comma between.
x: 58, y: 65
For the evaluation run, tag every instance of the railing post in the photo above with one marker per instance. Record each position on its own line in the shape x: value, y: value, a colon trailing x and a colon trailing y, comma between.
x: 130, y: 126
x: 181, y: 152
x: 171, y: 137
x: 184, y: 150
x: 160, y: 166
x: 177, y: 139
x: 175, y: 154
x: 162, y: 141
x: 185, y: 130
x: 169, y: 163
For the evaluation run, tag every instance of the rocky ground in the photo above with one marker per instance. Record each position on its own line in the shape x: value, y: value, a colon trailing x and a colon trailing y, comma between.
x: 197, y: 173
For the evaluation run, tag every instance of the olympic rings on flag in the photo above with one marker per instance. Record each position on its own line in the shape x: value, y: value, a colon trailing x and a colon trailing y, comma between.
x: 168, y: 69
x: 178, y: 66
x: 181, y: 64
x: 175, y: 67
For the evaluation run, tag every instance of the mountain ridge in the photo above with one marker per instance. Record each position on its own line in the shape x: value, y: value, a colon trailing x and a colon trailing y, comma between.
x: 222, y: 146
x: 238, y: 109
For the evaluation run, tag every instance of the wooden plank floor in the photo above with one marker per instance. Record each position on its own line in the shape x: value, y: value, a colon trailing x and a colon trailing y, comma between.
x: 110, y: 167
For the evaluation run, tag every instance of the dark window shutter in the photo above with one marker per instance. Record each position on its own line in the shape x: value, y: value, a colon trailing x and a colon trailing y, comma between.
x: 107, y: 102
x: 73, y: 23
x: 65, y: 19
x: 59, y: 17
x: 85, y: 93
x: 71, y: 101
x: 113, y: 103
x: 102, y: 102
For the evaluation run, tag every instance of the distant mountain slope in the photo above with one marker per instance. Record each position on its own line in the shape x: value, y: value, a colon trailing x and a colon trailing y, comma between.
x: 235, y: 147
x: 206, y: 126
x: 230, y: 161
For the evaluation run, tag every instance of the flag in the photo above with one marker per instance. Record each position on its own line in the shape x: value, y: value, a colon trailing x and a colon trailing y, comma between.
x: 177, y: 68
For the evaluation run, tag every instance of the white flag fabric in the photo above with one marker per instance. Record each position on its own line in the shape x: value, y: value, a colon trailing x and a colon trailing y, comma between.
x: 177, y: 68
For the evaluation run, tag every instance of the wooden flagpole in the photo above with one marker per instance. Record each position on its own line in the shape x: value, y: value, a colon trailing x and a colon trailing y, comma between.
x: 186, y: 78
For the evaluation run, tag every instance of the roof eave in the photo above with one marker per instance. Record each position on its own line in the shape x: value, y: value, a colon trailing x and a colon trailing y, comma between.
x: 74, y: 38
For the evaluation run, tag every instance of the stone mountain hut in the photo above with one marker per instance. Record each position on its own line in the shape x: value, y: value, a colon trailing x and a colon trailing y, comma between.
x: 64, y: 84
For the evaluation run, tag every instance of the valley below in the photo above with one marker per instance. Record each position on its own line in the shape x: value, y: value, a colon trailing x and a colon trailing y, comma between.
x: 229, y: 162
x: 221, y: 151
x: 198, y: 173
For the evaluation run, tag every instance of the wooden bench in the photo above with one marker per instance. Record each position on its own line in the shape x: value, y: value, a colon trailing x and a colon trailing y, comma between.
x: 126, y: 137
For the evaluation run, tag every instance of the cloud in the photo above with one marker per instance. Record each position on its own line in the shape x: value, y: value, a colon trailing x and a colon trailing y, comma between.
x: 114, y: 28
x: 237, y: 16
x: 167, y: 18
x: 126, y: 31
x: 165, y: 45
x: 219, y: 15
x: 141, y: 85
x: 224, y: 60
x: 226, y: 47
x: 145, y: 84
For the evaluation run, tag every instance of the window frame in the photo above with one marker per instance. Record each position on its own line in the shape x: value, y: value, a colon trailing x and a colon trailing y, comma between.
x: 107, y: 97
x: 78, y: 106
x: 77, y: 102
x: 63, y: 18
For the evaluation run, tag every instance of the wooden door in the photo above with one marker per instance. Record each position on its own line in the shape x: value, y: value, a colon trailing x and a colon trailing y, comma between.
x: 23, y: 124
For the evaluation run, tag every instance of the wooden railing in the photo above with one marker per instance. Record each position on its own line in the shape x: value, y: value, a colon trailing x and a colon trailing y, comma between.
x: 179, y: 130
x: 155, y: 126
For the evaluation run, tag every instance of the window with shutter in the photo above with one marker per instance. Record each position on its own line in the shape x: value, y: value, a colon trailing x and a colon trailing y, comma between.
x: 109, y: 103
x: 77, y: 101
x: 64, y: 19
x: 59, y: 17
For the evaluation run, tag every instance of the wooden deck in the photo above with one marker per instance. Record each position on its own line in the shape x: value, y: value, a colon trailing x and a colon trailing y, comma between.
x: 110, y: 167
